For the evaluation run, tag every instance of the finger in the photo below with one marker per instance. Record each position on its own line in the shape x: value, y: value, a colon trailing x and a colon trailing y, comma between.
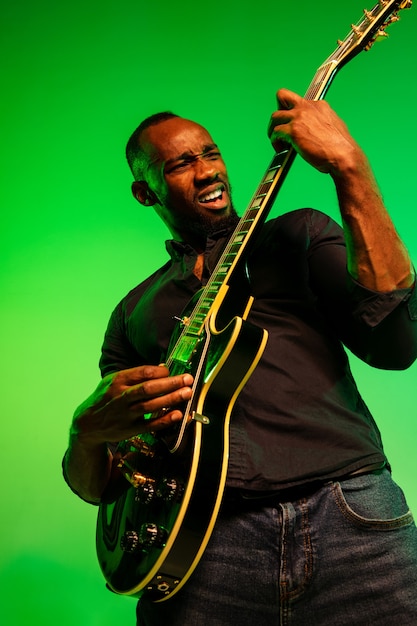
x: 164, y: 421
x: 154, y: 394
x: 121, y: 418
x: 140, y: 404
x: 136, y: 375
x: 158, y: 386
x: 287, y: 99
x: 279, y: 123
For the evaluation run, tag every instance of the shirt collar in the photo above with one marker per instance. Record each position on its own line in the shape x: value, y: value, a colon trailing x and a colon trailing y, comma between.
x: 178, y: 249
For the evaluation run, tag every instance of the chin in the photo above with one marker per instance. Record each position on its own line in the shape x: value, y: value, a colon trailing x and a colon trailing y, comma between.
x: 223, y: 219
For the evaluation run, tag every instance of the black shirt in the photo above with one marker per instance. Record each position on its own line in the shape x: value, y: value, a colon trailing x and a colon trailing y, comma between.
x: 300, y: 416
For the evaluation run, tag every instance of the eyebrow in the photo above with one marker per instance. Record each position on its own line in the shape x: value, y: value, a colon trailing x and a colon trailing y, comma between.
x: 189, y: 156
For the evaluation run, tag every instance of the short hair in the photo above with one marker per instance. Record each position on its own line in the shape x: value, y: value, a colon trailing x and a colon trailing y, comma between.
x: 134, y: 151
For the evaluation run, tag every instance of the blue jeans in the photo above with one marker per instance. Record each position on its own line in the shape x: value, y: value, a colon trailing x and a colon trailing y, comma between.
x: 346, y: 555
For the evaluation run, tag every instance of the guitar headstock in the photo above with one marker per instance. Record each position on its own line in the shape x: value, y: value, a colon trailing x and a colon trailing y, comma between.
x: 369, y: 29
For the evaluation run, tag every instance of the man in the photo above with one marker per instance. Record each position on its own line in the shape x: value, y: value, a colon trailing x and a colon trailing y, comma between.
x: 312, y: 530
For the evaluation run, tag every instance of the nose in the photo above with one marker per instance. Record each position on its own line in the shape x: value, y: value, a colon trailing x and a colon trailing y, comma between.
x: 205, y: 169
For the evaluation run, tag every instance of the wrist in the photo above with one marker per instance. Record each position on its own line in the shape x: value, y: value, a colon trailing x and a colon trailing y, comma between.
x: 352, y: 165
x: 85, y: 439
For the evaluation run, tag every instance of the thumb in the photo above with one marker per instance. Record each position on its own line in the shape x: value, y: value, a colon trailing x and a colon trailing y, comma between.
x: 287, y: 99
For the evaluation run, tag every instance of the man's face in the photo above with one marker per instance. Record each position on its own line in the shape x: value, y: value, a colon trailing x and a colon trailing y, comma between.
x: 188, y: 177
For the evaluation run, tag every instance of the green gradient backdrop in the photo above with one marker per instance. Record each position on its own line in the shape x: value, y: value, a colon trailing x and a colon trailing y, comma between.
x: 77, y: 78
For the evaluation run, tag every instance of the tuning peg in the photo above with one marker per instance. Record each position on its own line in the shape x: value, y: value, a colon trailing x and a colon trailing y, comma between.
x: 381, y: 34
x: 356, y: 29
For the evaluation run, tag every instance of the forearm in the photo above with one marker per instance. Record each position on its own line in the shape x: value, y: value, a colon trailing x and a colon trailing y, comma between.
x: 377, y: 258
x: 87, y: 468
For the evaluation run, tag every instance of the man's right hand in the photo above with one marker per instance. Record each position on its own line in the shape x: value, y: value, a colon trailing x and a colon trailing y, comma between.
x: 117, y: 408
x: 114, y: 412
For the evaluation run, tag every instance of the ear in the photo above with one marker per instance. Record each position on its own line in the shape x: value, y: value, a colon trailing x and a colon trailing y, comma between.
x: 143, y: 193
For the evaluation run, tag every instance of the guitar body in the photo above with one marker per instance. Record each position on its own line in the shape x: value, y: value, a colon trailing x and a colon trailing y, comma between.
x: 151, y: 537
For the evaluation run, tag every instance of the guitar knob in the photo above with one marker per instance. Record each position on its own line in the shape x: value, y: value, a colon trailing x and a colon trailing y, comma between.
x: 149, y: 536
x: 129, y: 541
x: 152, y: 536
x: 169, y: 489
x: 145, y: 493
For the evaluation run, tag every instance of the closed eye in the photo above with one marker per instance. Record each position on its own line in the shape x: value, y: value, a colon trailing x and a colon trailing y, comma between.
x: 179, y: 165
x: 182, y: 163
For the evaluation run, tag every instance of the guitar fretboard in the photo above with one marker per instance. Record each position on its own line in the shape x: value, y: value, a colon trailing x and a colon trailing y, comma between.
x: 361, y: 36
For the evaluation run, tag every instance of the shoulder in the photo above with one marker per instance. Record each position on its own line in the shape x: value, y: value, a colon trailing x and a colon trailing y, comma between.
x: 302, y: 227
x: 124, y: 308
x: 311, y: 219
x: 130, y: 300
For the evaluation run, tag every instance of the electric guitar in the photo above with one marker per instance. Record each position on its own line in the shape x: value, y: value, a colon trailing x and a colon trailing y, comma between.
x: 152, y: 532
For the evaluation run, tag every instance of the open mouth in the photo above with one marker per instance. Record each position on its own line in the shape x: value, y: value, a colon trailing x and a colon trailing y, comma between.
x: 216, y: 197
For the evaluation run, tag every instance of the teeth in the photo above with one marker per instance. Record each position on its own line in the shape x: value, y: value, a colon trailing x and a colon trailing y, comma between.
x: 214, y: 195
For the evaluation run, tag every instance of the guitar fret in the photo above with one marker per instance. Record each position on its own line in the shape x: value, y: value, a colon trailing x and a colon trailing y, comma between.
x: 190, y: 335
x: 195, y: 324
x: 240, y: 237
x: 274, y: 167
x: 197, y: 330
x: 257, y: 202
x: 271, y: 172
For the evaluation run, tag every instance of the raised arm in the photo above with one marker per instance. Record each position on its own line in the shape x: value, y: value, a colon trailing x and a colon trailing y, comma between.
x: 377, y: 258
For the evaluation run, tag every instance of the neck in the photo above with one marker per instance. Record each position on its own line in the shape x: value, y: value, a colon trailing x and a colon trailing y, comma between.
x: 196, y: 232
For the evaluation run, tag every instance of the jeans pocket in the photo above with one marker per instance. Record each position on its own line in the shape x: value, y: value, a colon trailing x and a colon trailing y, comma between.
x: 373, y: 501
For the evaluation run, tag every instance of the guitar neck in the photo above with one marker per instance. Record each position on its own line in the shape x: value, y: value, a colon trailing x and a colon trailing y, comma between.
x: 361, y: 37
x: 255, y: 215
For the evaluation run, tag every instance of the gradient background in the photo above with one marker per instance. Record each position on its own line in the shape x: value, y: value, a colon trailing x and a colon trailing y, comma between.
x: 77, y: 78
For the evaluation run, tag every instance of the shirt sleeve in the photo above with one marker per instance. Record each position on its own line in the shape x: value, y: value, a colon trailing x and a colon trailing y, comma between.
x: 117, y: 352
x: 379, y: 328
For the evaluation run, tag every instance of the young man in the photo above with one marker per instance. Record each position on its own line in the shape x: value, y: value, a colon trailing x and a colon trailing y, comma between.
x: 312, y: 530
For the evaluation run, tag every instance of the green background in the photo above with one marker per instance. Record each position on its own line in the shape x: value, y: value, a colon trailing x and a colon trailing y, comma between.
x: 77, y: 78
